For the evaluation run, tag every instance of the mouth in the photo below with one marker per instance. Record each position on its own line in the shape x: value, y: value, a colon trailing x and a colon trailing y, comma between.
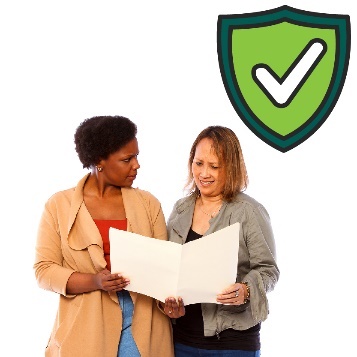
x: 206, y: 183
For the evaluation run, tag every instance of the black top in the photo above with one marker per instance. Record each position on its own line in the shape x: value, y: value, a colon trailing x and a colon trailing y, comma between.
x: 188, y: 329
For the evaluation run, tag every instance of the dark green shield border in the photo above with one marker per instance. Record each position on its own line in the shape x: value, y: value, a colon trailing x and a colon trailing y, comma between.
x: 227, y: 23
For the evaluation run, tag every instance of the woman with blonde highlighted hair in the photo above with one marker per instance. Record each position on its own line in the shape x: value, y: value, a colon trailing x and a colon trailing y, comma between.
x: 216, y: 181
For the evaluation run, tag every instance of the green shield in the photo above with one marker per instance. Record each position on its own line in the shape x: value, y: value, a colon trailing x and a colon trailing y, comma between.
x: 283, y: 70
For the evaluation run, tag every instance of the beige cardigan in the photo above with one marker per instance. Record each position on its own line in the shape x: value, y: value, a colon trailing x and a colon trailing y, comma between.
x: 68, y: 241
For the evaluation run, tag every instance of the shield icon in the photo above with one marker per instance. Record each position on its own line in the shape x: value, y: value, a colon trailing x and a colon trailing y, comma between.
x: 283, y: 70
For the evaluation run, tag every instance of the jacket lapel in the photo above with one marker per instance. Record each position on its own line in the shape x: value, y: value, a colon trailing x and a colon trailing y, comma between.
x: 76, y: 202
x: 82, y: 230
x: 183, y: 220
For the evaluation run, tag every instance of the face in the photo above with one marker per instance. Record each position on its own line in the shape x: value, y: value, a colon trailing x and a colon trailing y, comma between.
x: 207, y: 171
x: 120, y: 168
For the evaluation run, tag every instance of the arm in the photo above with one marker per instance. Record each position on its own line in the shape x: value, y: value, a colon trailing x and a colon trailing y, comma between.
x: 160, y: 230
x: 51, y: 271
x: 260, y: 242
x: 264, y: 272
x: 260, y: 270
x: 79, y: 283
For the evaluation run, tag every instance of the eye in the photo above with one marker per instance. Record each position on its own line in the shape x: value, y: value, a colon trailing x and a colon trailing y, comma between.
x: 198, y: 163
x: 215, y: 167
x: 130, y: 158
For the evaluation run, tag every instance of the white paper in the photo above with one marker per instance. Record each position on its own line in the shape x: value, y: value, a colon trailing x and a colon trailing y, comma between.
x: 197, y: 271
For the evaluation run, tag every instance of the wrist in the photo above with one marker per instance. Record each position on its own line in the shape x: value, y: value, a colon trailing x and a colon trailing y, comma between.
x: 246, y: 289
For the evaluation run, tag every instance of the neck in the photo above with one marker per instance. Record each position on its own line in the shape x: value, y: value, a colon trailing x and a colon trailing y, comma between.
x: 210, y: 201
x: 210, y: 207
x: 96, y: 187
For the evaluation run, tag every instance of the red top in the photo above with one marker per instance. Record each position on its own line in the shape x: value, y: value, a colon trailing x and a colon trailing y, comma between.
x: 103, y: 226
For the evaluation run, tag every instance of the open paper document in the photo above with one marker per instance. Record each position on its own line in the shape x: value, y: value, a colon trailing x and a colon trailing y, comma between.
x: 197, y: 271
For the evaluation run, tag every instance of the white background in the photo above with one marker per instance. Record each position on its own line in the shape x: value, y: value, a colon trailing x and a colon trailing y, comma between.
x: 156, y: 62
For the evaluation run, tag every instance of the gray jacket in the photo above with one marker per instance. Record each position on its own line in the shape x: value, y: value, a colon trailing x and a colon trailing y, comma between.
x: 256, y: 259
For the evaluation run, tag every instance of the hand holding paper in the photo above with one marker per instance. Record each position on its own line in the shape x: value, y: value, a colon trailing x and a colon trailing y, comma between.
x: 197, y: 271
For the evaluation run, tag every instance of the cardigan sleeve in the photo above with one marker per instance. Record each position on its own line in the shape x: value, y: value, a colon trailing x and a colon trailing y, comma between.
x: 49, y: 270
x: 156, y: 215
x: 159, y: 222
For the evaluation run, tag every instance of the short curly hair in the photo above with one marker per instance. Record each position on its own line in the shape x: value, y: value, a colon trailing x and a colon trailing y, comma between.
x: 98, y: 137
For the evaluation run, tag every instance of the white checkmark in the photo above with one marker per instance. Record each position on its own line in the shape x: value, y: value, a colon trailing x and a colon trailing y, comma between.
x: 282, y: 90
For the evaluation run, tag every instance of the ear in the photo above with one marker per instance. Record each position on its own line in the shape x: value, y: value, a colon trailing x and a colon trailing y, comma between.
x: 99, y: 166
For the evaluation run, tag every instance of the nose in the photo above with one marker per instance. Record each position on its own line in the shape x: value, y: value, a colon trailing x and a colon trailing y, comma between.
x: 136, y: 164
x: 204, y: 171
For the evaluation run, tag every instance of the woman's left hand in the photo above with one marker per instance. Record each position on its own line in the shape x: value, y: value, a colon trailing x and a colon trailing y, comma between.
x: 233, y: 295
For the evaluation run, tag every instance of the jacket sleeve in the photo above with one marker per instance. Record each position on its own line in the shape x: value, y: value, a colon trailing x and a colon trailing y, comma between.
x: 264, y: 272
x: 155, y: 214
x: 49, y: 270
x: 160, y: 231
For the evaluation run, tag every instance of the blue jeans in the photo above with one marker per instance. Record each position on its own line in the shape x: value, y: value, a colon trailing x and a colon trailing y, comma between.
x: 127, y: 345
x: 188, y: 351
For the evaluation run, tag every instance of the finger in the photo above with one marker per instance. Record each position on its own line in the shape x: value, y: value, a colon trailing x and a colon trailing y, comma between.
x: 180, y: 302
x: 117, y: 285
x: 181, y: 307
x: 118, y: 288
x: 119, y: 280
x: 169, y: 306
x: 172, y: 306
x: 230, y: 289
x: 174, y: 303
x: 233, y: 292
x: 124, y: 282
x: 175, y: 313
x: 228, y: 300
x: 224, y: 297
x: 105, y: 272
x: 175, y: 309
x: 114, y: 277
x: 178, y: 308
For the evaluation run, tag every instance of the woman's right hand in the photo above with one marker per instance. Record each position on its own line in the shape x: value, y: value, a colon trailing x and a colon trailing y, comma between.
x: 107, y: 281
x: 174, y: 308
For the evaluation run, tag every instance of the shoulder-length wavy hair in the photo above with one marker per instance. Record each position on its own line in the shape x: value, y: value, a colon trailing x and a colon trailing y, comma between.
x: 228, y: 150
